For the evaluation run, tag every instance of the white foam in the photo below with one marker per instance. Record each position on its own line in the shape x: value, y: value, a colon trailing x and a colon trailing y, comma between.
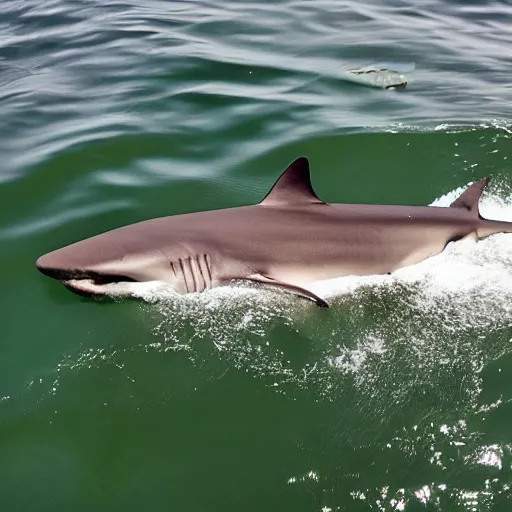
x: 491, y: 455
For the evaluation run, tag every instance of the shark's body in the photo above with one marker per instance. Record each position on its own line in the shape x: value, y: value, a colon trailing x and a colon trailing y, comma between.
x: 290, y: 239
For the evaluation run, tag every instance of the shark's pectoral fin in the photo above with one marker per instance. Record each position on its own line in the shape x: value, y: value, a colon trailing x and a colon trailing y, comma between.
x: 290, y: 288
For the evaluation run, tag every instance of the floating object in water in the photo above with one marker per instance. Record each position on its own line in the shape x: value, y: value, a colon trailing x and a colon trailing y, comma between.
x: 379, y: 77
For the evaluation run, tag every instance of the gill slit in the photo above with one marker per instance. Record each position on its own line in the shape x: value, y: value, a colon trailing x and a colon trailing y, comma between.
x: 194, y: 281
x: 208, y: 264
x: 183, y: 273
x: 197, y: 261
x: 200, y: 268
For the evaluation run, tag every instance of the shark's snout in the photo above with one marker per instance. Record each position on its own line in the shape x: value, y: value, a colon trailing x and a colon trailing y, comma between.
x: 62, y: 266
x: 52, y: 266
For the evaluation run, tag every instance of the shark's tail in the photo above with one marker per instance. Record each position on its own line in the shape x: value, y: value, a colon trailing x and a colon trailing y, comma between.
x: 491, y: 227
x: 469, y: 201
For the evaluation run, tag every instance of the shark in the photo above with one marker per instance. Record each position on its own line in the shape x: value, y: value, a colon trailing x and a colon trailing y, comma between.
x: 288, y: 240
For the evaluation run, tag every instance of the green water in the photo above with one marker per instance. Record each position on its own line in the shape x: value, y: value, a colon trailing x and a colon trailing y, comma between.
x: 396, y: 398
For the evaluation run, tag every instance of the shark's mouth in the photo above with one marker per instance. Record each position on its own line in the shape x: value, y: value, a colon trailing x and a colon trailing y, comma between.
x: 92, y: 284
x: 91, y: 287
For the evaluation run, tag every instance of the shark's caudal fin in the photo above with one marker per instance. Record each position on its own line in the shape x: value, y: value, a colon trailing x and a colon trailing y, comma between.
x: 469, y: 201
x: 471, y: 196
x: 293, y: 186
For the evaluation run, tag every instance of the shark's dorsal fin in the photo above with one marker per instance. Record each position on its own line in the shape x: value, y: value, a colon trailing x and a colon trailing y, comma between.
x: 293, y: 186
x: 470, y: 197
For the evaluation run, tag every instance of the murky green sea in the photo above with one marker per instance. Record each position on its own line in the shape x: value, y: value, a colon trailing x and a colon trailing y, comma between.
x: 399, y: 397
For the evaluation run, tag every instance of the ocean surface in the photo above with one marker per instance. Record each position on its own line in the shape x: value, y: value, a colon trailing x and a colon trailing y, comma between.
x: 397, y: 398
